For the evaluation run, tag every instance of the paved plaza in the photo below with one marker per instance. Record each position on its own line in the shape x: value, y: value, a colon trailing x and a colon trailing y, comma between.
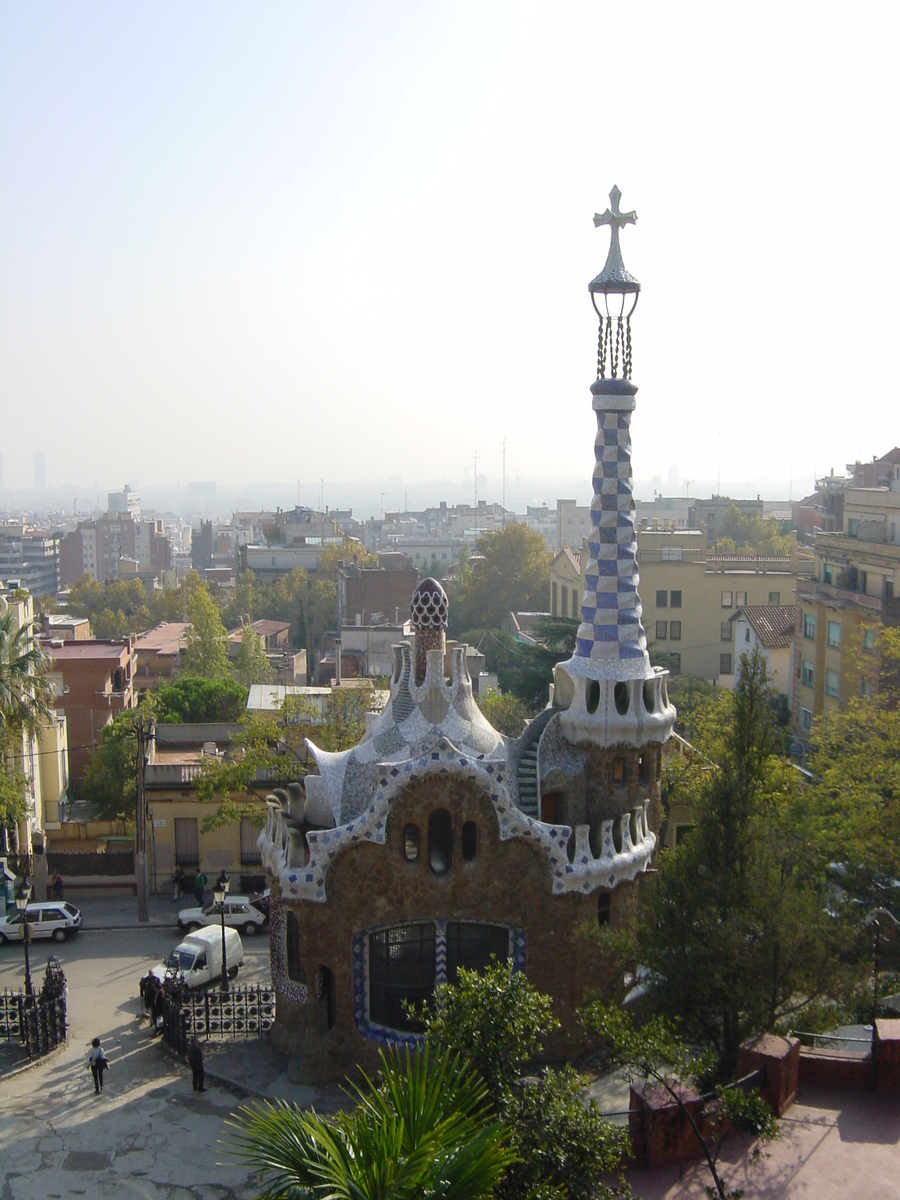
x: 149, y: 1135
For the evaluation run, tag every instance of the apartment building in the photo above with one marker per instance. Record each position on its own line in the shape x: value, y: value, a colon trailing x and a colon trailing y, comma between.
x: 689, y: 597
x: 840, y: 610
x: 30, y: 557
x: 157, y: 653
x: 573, y: 524
x: 376, y: 595
x: 95, y: 681
x: 768, y: 629
x: 175, y: 834
x: 566, y: 585
x: 97, y: 548
x: 42, y: 757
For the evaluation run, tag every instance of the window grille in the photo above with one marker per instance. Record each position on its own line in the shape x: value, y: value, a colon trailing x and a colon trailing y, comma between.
x: 401, y: 968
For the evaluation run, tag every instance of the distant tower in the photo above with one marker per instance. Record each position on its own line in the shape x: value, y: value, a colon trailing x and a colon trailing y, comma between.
x: 608, y: 689
x: 40, y: 472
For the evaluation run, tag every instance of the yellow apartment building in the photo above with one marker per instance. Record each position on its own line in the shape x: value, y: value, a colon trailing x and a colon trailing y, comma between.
x: 566, y: 584
x: 175, y: 814
x: 840, y: 610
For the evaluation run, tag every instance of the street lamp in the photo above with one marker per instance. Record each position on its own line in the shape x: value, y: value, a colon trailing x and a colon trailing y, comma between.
x: 220, y: 891
x: 23, y: 895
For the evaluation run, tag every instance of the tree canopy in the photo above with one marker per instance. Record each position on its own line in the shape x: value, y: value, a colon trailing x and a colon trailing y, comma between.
x: 739, y: 930
x: 251, y: 665
x: 746, y: 533
x: 109, y: 784
x: 189, y: 699
x: 512, y: 576
x: 206, y: 652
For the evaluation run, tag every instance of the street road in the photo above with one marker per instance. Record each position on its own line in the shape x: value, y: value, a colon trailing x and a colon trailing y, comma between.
x: 148, y: 1134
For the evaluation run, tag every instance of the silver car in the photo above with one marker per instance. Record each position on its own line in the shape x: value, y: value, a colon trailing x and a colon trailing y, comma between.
x: 51, y: 919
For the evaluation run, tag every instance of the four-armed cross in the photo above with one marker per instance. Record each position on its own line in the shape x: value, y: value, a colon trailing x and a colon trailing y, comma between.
x: 615, y: 220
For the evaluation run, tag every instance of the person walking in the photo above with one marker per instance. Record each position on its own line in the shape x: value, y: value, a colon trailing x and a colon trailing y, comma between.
x: 199, y: 885
x: 178, y: 883
x: 57, y: 886
x: 98, y: 1063
x: 158, y: 1011
x: 195, y: 1062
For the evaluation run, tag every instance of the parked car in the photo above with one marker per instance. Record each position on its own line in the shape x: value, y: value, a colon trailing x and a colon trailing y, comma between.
x: 262, y: 901
x: 51, y: 919
x: 199, y: 957
x: 239, y: 914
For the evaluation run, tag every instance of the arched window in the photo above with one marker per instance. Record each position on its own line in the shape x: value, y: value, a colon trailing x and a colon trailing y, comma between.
x: 295, y: 968
x: 603, y: 907
x: 469, y: 840
x: 411, y: 842
x: 440, y: 841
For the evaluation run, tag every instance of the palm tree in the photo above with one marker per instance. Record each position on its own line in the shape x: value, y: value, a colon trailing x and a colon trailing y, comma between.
x: 427, y: 1132
x: 25, y: 690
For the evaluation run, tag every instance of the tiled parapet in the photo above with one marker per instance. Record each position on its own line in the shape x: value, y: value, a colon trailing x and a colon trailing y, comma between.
x: 610, y: 712
x: 586, y: 873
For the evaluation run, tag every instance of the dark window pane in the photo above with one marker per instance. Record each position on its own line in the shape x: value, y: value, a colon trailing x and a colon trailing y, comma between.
x: 603, y: 907
x: 472, y: 946
x: 401, y: 967
x: 469, y: 840
x: 296, y: 970
x: 440, y: 841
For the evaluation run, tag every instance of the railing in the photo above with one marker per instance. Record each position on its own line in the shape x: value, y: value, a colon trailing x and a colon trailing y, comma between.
x: 834, y: 1042
x: 251, y: 858
x: 187, y: 860
x: 245, y: 1010
x: 38, y: 1022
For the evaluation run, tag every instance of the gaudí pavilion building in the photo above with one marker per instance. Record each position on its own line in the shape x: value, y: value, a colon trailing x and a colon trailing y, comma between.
x: 436, y: 843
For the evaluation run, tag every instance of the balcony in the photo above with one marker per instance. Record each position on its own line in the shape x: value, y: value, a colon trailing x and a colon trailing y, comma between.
x: 811, y: 589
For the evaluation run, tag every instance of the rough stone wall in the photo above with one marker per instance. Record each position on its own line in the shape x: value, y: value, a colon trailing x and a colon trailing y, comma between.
x: 372, y: 886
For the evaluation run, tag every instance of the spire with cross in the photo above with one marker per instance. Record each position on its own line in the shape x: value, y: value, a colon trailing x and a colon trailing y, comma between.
x: 614, y: 277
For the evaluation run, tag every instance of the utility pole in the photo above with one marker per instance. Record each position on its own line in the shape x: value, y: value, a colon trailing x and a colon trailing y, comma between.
x: 476, y: 491
x: 503, y: 444
x: 140, y: 824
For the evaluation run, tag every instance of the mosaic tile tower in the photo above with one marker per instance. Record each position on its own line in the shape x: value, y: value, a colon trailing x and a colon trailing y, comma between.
x: 597, y: 685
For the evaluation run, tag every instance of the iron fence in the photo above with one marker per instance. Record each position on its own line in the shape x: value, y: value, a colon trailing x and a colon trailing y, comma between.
x: 834, y: 1042
x: 245, y: 1010
x: 37, y: 1022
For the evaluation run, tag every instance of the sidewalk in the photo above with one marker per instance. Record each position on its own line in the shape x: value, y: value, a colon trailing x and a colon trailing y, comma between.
x: 121, y: 912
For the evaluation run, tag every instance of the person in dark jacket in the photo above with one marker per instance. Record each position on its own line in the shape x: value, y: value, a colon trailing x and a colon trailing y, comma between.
x: 159, y: 1007
x: 195, y: 1062
x: 199, y: 885
x: 98, y: 1063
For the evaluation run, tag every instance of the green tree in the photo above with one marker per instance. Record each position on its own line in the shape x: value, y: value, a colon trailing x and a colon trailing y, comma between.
x: 512, y: 576
x: 25, y: 691
x: 855, y: 794
x: 654, y: 1052
x: 746, y: 533
x: 252, y: 665
x: 109, y: 784
x: 739, y: 935
x: 13, y: 782
x: 499, y: 1021
x: 192, y: 700
x: 206, y: 652
x: 425, y: 1132
x: 505, y: 712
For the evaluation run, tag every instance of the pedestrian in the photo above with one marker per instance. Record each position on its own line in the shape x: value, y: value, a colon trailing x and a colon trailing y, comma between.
x: 98, y: 1063
x: 199, y: 885
x: 178, y: 883
x: 159, y: 1006
x: 57, y: 886
x: 195, y: 1062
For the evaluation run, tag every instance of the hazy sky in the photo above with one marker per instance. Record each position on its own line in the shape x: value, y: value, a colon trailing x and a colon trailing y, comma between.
x: 353, y: 240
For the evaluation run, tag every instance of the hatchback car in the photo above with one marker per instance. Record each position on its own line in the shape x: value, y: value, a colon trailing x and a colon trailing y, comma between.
x: 51, y: 920
x: 239, y: 914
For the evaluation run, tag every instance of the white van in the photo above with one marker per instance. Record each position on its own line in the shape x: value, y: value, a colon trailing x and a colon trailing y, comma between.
x: 56, y: 919
x: 199, y: 957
